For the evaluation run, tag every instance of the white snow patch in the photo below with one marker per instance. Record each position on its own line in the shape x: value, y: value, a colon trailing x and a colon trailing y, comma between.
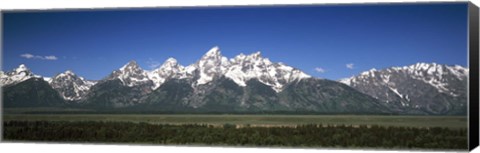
x: 396, y: 92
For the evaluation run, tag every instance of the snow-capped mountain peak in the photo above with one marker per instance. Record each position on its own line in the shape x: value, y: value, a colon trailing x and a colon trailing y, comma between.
x: 246, y: 67
x: 48, y: 79
x: 131, y: 65
x: 171, y: 64
x: 70, y: 86
x: 170, y: 69
x: 240, y: 56
x: 395, y: 83
x: 459, y: 71
x: 256, y: 55
x: 21, y: 68
x: 437, y: 75
x: 211, y: 65
x: 347, y: 81
x: 215, y: 51
x: 130, y: 74
x: 171, y: 61
x: 67, y: 73
x: 17, y: 75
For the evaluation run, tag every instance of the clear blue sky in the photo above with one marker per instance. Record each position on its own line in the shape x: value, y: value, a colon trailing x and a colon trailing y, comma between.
x: 94, y: 43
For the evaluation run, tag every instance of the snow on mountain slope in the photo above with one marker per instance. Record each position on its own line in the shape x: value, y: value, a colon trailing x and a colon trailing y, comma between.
x: 130, y: 75
x: 19, y: 74
x: 70, y: 86
x: 436, y: 75
x: 276, y: 75
x: 48, y: 79
x: 415, y: 86
x: 170, y: 69
x: 211, y: 65
x: 240, y: 69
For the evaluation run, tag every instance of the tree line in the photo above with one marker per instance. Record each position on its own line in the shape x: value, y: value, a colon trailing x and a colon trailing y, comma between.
x: 310, y: 135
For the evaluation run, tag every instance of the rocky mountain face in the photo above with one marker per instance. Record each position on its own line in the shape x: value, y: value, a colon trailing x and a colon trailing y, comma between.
x: 70, y: 86
x: 320, y: 95
x: 224, y: 95
x: 422, y: 88
x: 239, y: 69
x: 170, y: 69
x: 202, y: 82
x: 124, y: 87
x: 213, y: 83
x: 246, y: 83
x: 254, y: 66
x: 212, y: 65
x: 33, y: 92
x: 19, y: 74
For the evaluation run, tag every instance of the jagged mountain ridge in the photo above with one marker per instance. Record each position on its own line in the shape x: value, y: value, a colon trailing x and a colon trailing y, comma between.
x: 131, y: 74
x: 200, y: 75
x: 17, y: 75
x: 170, y: 69
x: 211, y: 65
x: 254, y: 83
x: 70, y: 86
x: 240, y: 69
x: 124, y: 87
x: 419, y: 88
x: 254, y: 66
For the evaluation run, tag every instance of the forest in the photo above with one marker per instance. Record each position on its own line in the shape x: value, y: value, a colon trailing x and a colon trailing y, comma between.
x: 305, y: 135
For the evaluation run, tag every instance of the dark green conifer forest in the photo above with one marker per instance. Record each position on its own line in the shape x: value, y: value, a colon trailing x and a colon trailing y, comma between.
x: 308, y: 135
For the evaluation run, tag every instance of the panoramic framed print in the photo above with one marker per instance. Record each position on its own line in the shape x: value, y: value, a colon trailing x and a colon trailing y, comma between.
x: 400, y: 76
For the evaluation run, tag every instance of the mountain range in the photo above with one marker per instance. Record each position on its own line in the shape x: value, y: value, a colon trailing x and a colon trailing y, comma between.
x: 420, y: 88
x: 247, y: 84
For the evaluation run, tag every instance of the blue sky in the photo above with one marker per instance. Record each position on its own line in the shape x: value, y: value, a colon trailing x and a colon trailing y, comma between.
x: 326, y: 41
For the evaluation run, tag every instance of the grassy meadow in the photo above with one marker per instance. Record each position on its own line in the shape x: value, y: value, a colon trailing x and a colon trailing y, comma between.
x: 455, y: 122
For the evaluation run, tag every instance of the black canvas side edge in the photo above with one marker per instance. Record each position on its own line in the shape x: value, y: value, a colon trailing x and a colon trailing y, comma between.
x: 1, y: 67
x: 473, y: 30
